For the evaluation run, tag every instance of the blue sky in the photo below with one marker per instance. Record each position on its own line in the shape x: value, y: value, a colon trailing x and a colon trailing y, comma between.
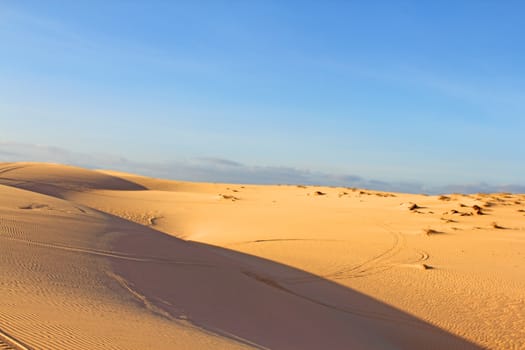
x: 398, y: 91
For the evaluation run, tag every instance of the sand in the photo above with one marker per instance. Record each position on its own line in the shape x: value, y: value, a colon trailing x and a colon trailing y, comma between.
x: 102, y: 259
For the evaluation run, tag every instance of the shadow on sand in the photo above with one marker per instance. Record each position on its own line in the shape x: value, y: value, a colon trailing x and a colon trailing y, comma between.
x: 253, y: 300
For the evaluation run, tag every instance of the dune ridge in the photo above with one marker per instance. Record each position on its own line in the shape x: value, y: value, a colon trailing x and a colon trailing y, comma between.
x: 168, y: 264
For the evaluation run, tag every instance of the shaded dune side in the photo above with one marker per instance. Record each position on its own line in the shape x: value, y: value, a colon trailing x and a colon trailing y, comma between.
x: 156, y: 184
x: 56, y: 179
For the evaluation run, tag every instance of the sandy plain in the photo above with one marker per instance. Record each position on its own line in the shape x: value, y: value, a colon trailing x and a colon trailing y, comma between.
x: 108, y: 260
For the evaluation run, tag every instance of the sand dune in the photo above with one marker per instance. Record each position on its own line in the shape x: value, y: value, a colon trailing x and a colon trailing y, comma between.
x: 101, y: 259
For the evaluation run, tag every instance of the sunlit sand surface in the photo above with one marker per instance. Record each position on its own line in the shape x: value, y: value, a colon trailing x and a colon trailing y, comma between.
x: 108, y: 260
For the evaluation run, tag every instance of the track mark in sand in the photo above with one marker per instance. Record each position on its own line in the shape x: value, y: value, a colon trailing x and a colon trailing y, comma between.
x: 37, y: 206
x: 153, y: 221
x: 423, y: 256
x: 419, y: 262
x: 108, y: 253
x: 8, y: 342
x: 34, y: 206
x: 186, y: 321
x: 376, y: 264
x: 287, y: 240
x: 418, y: 266
x: 11, y: 168
x: 347, y: 310
x: 139, y: 297
x: 383, y: 261
x: 6, y: 346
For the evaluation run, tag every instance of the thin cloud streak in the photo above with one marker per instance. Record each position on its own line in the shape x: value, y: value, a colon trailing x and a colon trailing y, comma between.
x: 211, y: 169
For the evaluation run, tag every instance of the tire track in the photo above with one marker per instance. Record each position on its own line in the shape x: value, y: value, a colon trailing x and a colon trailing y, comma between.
x: 406, y: 320
x: 287, y: 240
x: 9, y: 230
x: 107, y: 253
x: 383, y: 261
x: 376, y: 264
x: 7, y: 342
x: 367, y: 267
x: 373, y: 265
x: 11, y: 168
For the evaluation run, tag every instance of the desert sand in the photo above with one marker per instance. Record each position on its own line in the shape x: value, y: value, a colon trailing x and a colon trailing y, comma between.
x: 108, y: 260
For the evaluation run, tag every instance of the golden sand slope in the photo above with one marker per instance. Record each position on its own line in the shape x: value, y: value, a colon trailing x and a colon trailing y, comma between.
x: 93, y: 259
